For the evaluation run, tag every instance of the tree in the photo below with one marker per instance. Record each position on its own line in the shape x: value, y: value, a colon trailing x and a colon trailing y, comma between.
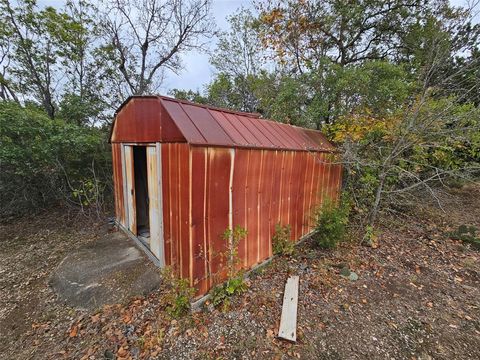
x: 84, y: 97
x: 303, y: 33
x: 147, y: 37
x: 189, y: 95
x: 239, y: 52
x: 239, y: 61
x: 6, y: 88
x: 47, y: 52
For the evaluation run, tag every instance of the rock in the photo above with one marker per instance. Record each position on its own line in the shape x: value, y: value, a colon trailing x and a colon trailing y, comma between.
x: 108, y: 354
x: 353, y: 276
x: 345, y: 272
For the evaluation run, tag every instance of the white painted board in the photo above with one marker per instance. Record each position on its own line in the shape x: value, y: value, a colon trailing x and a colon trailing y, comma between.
x: 154, y: 175
x: 130, y: 189
x: 288, y: 321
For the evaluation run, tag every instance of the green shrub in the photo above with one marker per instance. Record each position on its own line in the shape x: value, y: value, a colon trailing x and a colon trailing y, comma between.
x: 222, y: 293
x: 331, y: 221
x: 45, y: 162
x: 235, y: 283
x: 179, y: 294
x: 466, y: 234
x: 281, y: 243
x: 370, y: 238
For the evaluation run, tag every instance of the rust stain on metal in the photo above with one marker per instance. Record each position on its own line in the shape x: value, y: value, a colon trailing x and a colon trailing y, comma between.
x: 218, y: 169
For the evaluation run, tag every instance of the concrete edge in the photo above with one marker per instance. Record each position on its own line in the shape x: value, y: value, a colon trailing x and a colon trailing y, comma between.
x: 140, y: 244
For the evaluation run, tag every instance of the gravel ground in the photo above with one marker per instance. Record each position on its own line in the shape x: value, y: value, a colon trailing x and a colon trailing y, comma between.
x: 417, y: 297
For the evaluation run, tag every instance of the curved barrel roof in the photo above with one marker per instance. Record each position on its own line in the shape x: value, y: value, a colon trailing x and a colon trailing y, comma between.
x: 161, y: 118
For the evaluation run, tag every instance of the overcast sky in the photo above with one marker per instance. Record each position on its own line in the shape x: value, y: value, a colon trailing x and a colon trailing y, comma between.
x: 197, y: 71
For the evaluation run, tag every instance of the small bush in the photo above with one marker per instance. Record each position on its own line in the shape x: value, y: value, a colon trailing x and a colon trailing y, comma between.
x: 221, y: 294
x: 179, y: 294
x: 235, y: 283
x: 281, y: 243
x: 467, y: 234
x: 331, y: 221
x: 370, y: 238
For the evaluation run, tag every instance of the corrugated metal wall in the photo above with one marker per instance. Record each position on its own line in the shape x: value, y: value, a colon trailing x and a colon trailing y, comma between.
x: 176, y: 206
x: 118, y: 183
x: 209, y: 189
x: 268, y: 187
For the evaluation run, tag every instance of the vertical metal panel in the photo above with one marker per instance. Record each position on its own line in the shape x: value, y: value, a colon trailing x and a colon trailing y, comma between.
x: 288, y: 192
x: 174, y: 207
x: 218, y: 204
x: 239, y: 198
x: 118, y: 183
x: 295, y: 185
x: 307, y: 191
x: 326, y: 180
x: 154, y: 177
x: 265, y: 224
x: 332, y: 178
x: 130, y: 189
x: 323, y: 170
x: 276, y: 163
x: 253, y: 176
x: 266, y: 187
x: 198, y: 218
x: 184, y: 206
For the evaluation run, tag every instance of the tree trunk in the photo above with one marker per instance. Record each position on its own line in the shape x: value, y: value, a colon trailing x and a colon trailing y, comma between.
x: 378, y: 198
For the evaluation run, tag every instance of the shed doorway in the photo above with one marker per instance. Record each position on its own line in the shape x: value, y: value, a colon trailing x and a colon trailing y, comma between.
x: 141, y: 193
x: 143, y: 184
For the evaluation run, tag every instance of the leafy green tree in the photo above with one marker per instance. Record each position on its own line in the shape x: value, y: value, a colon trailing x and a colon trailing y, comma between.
x: 85, y: 96
x: 303, y: 33
x: 239, y: 60
x: 189, y: 95
x: 35, y: 37
x: 51, y: 58
x: 6, y: 87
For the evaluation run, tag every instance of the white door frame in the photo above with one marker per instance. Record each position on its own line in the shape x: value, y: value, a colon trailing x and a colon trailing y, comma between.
x: 156, y: 247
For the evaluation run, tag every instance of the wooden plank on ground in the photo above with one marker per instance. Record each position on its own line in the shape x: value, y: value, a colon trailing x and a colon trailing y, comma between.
x: 288, y: 321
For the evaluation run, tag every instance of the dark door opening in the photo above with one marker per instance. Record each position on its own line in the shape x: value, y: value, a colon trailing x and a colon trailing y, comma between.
x: 141, y: 192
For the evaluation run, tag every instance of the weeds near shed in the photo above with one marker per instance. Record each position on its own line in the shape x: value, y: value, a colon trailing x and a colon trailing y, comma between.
x: 235, y: 283
x: 331, y: 220
x: 370, y: 238
x: 467, y: 234
x: 179, y: 294
x: 281, y: 243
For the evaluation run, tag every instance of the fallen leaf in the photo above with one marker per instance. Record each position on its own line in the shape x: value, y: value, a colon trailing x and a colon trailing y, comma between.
x: 74, y: 331
x: 122, y: 352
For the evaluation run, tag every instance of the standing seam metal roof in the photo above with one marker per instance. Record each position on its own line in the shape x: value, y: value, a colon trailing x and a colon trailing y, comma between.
x: 205, y: 125
x: 211, y: 126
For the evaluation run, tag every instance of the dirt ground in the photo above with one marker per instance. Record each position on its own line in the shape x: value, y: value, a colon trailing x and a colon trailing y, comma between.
x: 417, y: 297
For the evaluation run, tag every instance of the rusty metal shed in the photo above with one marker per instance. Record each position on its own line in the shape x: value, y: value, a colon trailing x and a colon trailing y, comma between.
x: 184, y: 173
